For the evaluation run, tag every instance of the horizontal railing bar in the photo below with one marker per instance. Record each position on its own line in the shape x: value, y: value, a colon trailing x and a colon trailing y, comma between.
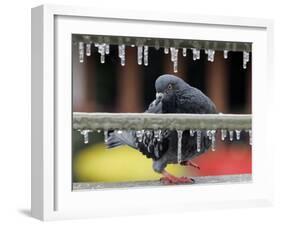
x: 138, y: 121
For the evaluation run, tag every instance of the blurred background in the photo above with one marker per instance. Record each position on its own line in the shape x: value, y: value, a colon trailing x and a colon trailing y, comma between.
x: 110, y: 87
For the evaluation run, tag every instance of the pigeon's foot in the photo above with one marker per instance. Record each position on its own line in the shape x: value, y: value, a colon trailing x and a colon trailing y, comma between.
x: 171, y: 179
x: 189, y: 163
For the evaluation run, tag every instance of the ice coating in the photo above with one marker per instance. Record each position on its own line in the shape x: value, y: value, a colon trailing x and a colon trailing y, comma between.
x: 179, y: 146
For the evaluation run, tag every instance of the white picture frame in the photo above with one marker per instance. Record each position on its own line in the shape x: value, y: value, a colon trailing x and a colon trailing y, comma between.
x: 52, y: 197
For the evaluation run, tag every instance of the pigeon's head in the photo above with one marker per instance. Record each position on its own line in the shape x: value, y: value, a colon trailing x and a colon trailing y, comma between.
x: 168, y: 85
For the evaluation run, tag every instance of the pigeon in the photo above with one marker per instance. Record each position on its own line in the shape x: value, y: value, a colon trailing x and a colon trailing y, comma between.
x: 173, y: 95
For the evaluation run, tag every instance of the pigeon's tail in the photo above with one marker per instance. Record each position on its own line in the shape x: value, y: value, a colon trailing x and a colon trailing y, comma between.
x: 118, y: 138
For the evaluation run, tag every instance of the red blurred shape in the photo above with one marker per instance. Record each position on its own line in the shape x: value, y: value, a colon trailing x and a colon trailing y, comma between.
x: 225, y: 160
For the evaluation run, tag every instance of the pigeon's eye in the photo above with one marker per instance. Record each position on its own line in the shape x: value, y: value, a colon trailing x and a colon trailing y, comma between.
x: 170, y: 86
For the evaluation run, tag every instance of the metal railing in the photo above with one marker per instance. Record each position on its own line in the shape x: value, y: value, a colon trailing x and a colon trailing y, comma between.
x: 137, y: 121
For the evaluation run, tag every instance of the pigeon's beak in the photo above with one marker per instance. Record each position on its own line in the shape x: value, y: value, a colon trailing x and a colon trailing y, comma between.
x: 159, y: 96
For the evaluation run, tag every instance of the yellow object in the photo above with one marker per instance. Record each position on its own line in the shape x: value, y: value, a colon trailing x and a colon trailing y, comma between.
x: 98, y: 164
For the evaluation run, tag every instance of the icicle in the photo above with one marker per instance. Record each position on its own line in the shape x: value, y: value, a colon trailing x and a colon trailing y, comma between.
x: 223, y: 134
x: 140, y: 50
x: 145, y: 55
x: 174, y: 58
x: 250, y: 136
x: 157, y: 135
x: 238, y: 132
x: 230, y: 135
x: 107, y: 49
x: 246, y: 58
x: 85, y: 133
x: 157, y: 44
x: 81, y: 52
x: 122, y: 53
x: 88, y: 49
x: 191, y: 132
x: 213, y: 139
x: 209, y: 134
x: 225, y: 54
x: 101, y: 50
x: 211, y: 55
x: 196, y: 54
x: 198, y: 140
x: 179, y: 145
x: 166, y: 50
x: 184, y: 52
x: 105, y: 136
x: 139, y: 135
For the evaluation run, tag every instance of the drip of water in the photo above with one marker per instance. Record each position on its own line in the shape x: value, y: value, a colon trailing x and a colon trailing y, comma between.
x: 179, y: 145
x: 184, y: 52
x: 246, y: 58
x: 223, y: 134
x: 145, y: 56
x: 122, y: 53
x: 81, y: 52
x: 85, y: 133
x: 238, y: 132
x: 140, y: 50
x: 198, y: 140
x: 213, y: 139
x: 250, y: 137
x: 225, y: 54
x: 107, y: 49
x: 211, y: 55
x: 88, y: 49
x: 166, y: 50
x: 231, y: 135
x: 196, y: 54
x: 191, y: 132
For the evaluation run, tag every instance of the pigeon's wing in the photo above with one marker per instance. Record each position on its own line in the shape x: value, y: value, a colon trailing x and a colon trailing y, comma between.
x: 194, y: 101
x: 152, y: 144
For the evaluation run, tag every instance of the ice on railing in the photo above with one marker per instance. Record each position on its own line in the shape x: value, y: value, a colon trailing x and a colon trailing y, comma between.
x: 179, y: 132
x: 184, y: 50
x: 145, y: 55
x: 174, y: 58
x: 225, y: 54
x: 246, y: 59
x: 88, y: 49
x: 85, y: 134
x: 196, y: 54
x: 238, y: 132
x: 122, y: 53
x: 81, y: 52
x: 223, y: 134
x: 142, y: 53
x: 198, y: 140
x: 211, y: 54
x: 230, y: 135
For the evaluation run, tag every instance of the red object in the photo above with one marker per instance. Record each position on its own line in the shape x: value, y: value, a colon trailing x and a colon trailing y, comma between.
x: 231, y: 159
